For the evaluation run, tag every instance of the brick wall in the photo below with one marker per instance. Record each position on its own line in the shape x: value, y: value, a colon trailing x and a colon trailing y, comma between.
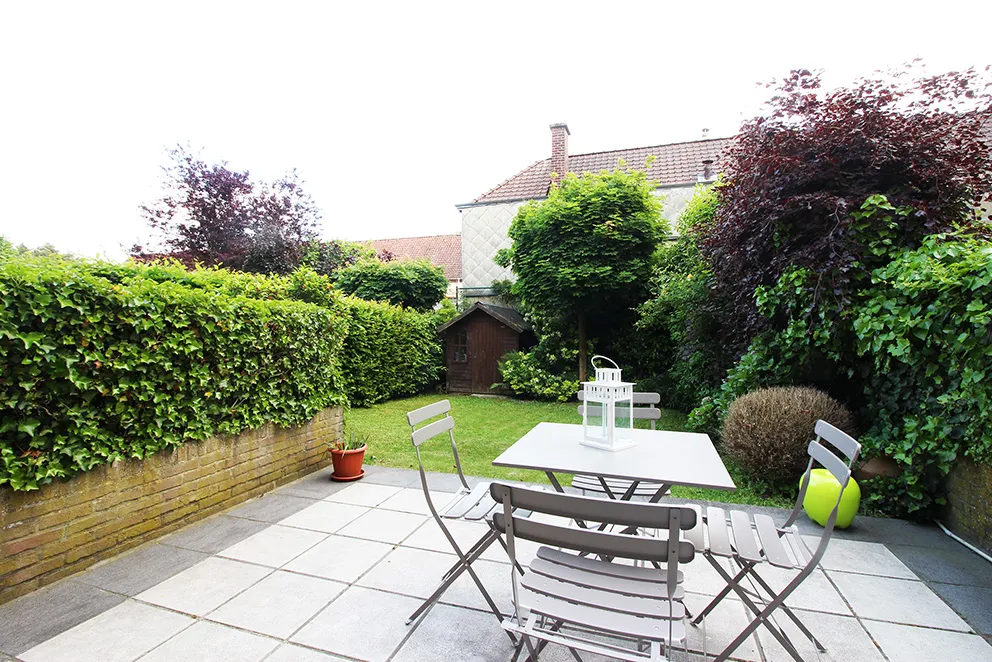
x: 65, y: 527
x: 969, y: 503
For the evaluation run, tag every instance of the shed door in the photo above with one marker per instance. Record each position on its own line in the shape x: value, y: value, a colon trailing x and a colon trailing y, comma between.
x: 484, y: 349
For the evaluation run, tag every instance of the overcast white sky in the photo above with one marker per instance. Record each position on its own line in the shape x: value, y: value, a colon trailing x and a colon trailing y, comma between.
x: 395, y: 112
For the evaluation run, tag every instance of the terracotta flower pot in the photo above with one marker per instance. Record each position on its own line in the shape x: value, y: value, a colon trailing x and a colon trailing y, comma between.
x: 878, y: 466
x: 348, y: 463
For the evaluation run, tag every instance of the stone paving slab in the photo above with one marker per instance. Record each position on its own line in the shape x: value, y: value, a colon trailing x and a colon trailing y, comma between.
x: 279, y: 604
x: 844, y: 637
x: 39, y: 616
x: 121, y: 634
x: 325, y: 516
x: 213, y: 534
x: 284, y: 577
x: 271, y: 508
x: 913, y: 644
x: 274, y: 547
x: 205, y: 586
x: 972, y: 603
x: 138, y: 570
x: 344, y: 627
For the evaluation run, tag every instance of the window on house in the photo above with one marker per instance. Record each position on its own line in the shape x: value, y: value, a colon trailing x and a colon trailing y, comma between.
x: 459, y: 347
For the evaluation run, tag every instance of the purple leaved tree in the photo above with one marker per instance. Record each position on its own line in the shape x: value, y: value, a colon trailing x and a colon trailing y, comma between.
x: 214, y: 216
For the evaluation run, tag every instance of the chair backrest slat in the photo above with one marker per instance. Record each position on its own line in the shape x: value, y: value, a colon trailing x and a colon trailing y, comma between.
x: 627, y: 513
x: 432, y: 430
x: 596, y: 542
x: 830, y: 462
x: 640, y: 413
x: 645, y: 398
x: 430, y: 411
x: 838, y: 438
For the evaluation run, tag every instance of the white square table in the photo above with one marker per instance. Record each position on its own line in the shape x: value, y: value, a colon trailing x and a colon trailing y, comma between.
x: 659, y: 456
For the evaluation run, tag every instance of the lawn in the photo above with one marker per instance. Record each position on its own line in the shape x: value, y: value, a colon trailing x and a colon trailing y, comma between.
x: 486, y: 427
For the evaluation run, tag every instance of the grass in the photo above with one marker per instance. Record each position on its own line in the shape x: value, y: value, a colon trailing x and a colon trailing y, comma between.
x: 488, y: 426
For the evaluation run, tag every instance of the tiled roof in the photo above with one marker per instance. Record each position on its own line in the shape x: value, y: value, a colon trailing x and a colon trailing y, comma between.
x: 677, y: 163
x: 444, y: 250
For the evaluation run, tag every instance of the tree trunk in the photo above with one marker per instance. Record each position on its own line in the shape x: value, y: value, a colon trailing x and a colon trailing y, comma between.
x: 583, y: 354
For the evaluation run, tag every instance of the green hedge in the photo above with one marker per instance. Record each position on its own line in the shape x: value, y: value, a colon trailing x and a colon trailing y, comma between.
x: 389, y: 352
x: 107, y: 361
x: 96, y: 370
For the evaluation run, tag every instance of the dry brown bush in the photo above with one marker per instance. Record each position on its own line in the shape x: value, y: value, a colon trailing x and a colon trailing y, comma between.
x: 768, y: 431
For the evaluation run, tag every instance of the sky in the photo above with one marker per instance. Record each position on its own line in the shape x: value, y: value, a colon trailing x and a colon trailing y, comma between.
x: 393, y: 113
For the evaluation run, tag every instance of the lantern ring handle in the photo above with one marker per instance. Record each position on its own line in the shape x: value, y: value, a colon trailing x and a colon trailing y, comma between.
x: 606, y: 358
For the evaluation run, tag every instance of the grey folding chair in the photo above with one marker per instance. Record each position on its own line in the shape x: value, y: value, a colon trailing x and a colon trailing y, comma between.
x: 564, y: 598
x: 615, y: 487
x: 751, y: 540
x: 468, y: 504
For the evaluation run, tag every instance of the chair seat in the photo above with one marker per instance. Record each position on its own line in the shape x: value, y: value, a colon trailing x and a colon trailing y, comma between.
x: 475, y: 504
x: 618, y: 486
x: 753, y: 538
x: 616, y: 598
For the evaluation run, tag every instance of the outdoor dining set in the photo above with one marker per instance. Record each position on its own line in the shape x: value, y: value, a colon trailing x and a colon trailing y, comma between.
x: 607, y: 576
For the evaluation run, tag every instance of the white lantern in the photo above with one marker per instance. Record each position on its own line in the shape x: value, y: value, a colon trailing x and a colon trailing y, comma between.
x: 607, y: 415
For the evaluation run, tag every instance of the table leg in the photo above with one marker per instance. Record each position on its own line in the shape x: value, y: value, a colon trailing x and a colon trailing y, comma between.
x: 661, y: 492
x: 554, y: 482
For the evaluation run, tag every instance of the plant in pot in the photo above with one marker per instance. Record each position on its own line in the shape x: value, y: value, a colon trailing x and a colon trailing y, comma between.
x: 348, y: 455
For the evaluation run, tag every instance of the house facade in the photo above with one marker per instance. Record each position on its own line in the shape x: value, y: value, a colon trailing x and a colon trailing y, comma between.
x: 676, y: 169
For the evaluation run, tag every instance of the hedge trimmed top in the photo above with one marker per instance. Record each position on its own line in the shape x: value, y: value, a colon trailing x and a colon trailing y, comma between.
x: 102, y: 361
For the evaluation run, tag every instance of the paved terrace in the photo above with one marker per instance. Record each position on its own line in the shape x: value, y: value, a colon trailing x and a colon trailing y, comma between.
x: 319, y: 571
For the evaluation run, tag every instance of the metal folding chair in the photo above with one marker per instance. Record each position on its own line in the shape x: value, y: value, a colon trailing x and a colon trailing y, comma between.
x: 568, y: 599
x: 615, y: 488
x: 751, y: 540
x: 468, y: 504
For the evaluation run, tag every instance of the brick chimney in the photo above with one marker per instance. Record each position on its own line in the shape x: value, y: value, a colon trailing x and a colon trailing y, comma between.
x: 559, y: 151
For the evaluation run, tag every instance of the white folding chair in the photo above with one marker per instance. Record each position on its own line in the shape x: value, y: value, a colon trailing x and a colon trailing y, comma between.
x: 616, y: 488
x: 467, y: 504
x: 564, y: 598
x: 751, y: 540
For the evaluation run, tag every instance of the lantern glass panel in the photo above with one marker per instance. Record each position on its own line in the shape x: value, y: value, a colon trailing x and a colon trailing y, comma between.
x: 608, y: 420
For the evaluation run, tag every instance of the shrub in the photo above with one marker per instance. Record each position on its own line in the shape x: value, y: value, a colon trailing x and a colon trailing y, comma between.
x: 524, y: 377
x: 416, y: 284
x: 768, y: 431
x: 926, y: 329
x: 811, y: 338
x: 389, y: 352
x: 676, y: 338
x: 103, y: 362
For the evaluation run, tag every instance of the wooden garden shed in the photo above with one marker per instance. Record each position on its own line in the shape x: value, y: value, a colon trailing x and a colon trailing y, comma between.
x: 475, y: 342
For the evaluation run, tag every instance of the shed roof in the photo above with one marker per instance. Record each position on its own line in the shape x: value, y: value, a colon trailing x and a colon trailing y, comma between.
x: 507, y: 316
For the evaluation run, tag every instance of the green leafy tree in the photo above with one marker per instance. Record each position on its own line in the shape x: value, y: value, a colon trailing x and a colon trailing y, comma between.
x: 675, y: 342
x: 416, y: 284
x: 587, y: 249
